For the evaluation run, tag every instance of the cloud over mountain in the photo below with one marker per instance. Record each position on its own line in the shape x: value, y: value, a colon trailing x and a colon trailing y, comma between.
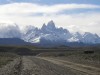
x: 74, y: 16
x: 47, y: 35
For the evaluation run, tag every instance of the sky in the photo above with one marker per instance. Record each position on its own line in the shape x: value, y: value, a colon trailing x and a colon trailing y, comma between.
x: 74, y: 15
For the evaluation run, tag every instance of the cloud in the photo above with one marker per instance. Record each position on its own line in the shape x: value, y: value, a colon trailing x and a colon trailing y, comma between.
x: 26, y: 8
x: 25, y: 14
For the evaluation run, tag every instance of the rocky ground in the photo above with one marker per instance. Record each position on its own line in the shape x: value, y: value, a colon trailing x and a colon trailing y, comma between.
x: 30, y: 65
x: 12, y: 68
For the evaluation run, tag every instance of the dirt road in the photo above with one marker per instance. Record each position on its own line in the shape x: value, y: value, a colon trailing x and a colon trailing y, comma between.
x: 40, y: 66
x: 30, y: 65
x: 79, y: 67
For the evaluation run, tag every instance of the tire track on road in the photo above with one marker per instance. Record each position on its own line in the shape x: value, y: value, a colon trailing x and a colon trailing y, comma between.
x: 48, y: 68
x: 79, y: 67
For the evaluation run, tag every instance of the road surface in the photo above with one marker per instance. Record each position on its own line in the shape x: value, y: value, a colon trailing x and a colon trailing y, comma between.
x: 30, y: 65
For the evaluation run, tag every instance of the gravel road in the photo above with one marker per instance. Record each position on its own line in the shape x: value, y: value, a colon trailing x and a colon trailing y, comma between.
x: 90, y: 70
x: 30, y: 65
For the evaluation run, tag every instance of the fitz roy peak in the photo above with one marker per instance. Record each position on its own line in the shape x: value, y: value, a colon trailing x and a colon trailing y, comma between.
x: 48, y: 35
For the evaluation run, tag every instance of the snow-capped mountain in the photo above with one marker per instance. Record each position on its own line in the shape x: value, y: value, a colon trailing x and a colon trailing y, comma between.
x: 87, y: 38
x: 47, y: 35
x: 90, y: 38
x: 31, y: 34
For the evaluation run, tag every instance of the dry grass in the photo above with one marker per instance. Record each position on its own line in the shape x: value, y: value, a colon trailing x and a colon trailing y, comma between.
x: 92, y: 59
x: 6, y: 58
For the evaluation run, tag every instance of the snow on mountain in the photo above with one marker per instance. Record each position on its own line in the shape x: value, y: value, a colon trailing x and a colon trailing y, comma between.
x: 87, y: 38
x: 47, y: 34
x: 51, y: 32
x: 49, y: 28
x: 30, y: 34
x: 90, y: 38
x: 76, y: 37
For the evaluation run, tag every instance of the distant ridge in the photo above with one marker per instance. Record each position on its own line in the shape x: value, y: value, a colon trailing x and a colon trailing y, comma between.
x: 13, y: 41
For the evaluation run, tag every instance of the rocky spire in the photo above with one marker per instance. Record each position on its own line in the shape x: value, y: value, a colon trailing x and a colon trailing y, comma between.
x: 51, y: 25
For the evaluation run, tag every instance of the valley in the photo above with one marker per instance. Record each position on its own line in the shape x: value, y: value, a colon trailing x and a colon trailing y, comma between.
x: 49, y: 37
x: 29, y: 60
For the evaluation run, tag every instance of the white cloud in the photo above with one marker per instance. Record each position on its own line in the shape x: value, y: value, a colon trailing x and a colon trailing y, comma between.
x: 20, y: 14
x: 25, y: 8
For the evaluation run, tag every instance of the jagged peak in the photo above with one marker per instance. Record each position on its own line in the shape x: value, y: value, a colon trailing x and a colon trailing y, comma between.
x: 51, y: 24
x: 51, y: 21
x: 88, y: 34
x: 44, y: 25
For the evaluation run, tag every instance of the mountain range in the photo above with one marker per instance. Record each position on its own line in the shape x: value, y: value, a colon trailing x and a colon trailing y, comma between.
x: 47, y: 35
